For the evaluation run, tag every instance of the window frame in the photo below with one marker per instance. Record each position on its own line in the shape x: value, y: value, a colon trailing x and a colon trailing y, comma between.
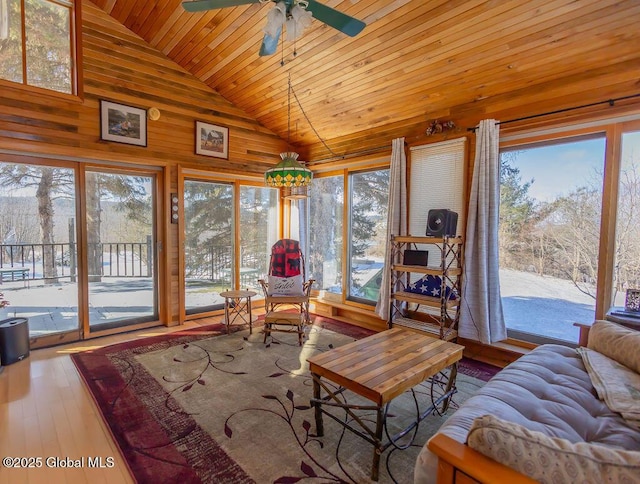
x: 342, y: 299
x: 613, y: 130
x: 237, y: 182
x: 75, y: 51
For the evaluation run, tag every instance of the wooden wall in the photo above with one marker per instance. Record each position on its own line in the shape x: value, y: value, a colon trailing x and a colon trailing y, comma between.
x: 119, y: 66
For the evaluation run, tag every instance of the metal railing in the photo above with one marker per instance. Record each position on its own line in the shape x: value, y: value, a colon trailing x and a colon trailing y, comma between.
x: 59, y: 261
x: 125, y: 259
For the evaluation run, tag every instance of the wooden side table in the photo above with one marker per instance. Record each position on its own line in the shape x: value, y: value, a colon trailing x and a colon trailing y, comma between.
x: 237, y: 304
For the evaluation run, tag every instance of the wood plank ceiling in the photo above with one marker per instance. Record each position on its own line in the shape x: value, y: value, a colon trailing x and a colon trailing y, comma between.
x: 415, y: 61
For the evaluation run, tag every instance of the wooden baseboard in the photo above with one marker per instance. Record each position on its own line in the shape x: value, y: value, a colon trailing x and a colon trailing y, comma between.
x: 358, y: 316
x: 497, y: 354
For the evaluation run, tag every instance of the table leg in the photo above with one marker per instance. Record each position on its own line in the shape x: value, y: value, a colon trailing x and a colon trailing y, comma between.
x: 377, y: 447
x: 250, y: 317
x: 317, y: 409
x: 227, y: 322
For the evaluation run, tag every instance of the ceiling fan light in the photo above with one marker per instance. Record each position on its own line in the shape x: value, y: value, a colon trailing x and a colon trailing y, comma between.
x: 299, y: 20
x: 275, y: 19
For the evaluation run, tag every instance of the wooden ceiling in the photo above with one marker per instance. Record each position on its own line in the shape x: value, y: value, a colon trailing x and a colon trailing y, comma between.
x: 415, y: 61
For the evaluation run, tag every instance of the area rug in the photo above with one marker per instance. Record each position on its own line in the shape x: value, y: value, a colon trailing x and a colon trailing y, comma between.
x: 206, y: 406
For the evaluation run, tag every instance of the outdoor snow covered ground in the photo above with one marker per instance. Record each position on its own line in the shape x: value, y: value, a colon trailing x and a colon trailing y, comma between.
x: 540, y: 305
x: 544, y: 305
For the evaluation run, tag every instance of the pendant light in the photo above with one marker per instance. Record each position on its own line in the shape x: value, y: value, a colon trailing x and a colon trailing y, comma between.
x: 289, y: 173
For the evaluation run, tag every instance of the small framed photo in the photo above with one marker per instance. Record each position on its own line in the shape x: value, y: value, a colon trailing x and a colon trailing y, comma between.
x: 123, y: 124
x: 212, y: 140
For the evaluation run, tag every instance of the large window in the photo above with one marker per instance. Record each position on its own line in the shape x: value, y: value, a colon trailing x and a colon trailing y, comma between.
x: 258, y: 232
x: 550, y: 210
x: 368, y: 198
x: 36, y: 43
x: 208, y: 247
x: 326, y: 205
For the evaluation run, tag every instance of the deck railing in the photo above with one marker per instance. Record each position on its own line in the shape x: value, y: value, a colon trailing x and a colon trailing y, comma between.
x: 59, y: 261
x: 124, y: 259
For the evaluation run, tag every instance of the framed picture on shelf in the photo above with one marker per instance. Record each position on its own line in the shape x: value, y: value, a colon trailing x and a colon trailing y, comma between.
x: 212, y: 140
x: 123, y: 124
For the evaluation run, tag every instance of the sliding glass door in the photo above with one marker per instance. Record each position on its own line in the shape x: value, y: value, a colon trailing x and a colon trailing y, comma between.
x: 38, y: 247
x: 121, y: 240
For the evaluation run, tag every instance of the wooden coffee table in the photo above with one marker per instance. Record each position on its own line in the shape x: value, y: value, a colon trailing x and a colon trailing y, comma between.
x: 379, y: 368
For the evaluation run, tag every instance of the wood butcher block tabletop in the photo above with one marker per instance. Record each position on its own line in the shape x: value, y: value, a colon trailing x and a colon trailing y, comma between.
x: 382, y: 366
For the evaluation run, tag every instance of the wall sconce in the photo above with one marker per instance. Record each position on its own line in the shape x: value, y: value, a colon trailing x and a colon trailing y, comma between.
x: 174, y: 208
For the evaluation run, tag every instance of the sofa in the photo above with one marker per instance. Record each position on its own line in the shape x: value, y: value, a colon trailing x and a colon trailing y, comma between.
x: 542, y: 418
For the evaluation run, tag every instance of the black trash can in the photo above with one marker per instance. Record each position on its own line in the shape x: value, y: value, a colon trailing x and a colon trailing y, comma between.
x: 14, y: 340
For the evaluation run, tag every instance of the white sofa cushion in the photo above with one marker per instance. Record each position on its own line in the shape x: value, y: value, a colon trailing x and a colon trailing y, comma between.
x: 551, y: 459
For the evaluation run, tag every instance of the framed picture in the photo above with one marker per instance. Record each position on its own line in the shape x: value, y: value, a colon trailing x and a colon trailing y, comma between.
x: 123, y: 124
x: 212, y: 140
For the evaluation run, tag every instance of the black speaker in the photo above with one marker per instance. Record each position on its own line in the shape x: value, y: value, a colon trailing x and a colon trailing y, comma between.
x: 441, y: 222
x: 14, y: 340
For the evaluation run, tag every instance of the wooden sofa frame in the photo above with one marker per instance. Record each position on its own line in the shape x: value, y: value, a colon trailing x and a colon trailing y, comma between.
x: 459, y: 463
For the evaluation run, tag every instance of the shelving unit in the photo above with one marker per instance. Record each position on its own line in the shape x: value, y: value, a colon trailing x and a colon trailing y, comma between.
x: 404, y: 305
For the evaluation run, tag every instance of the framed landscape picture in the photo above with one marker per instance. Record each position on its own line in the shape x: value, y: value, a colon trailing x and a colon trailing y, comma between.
x: 212, y: 140
x: 123, y: 124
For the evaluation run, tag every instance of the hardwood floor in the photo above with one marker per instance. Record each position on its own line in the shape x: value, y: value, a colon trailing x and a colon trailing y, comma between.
x: 46, y: 412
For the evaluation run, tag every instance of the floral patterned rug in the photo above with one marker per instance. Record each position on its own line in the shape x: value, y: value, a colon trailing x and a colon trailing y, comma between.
x: 204, y: 406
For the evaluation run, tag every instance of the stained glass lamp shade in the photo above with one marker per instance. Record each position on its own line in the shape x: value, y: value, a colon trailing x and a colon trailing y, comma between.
x: 288, y: 173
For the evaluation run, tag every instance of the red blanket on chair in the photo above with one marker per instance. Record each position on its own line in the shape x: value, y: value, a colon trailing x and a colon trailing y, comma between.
x: 286, y: 258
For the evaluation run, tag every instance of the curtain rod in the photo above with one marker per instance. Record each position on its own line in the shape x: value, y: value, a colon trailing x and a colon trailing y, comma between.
x: 367, y: 151
x: 610, y: 102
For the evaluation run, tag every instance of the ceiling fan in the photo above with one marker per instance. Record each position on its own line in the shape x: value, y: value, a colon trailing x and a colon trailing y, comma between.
x: 295, y: 14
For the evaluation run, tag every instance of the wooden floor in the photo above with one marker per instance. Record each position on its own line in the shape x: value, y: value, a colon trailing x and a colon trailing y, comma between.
x: 47, y: 412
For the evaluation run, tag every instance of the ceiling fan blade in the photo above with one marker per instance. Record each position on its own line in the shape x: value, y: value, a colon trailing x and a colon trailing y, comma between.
x: 333, y: 18
x: 270, y: 44
x: 201, y: 5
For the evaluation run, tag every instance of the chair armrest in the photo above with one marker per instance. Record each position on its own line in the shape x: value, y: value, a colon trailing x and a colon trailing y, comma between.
x: 306, y: 287
x: 454, y: 456
x: 263, y: 284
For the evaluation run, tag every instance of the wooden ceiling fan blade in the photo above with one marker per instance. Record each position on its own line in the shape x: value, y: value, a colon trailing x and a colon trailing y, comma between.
x: 202, y: 5
x: 270, y: 44
x: 333, y: 18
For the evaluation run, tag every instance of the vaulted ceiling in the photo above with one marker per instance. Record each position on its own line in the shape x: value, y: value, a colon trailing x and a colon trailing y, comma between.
x: 415, y: 61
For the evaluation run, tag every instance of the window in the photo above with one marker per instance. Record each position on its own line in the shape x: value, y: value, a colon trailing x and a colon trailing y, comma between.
x: 436, y: 181
x: 208, y: 246
x: 626, y: 268
x: 550, y: 210
x: 36, y: 48
x: 258, y: 232
x: 326, y: 205
x: 368, y: 198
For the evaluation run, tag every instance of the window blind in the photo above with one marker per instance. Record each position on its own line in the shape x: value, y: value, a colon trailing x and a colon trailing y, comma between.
x: 436, y: 181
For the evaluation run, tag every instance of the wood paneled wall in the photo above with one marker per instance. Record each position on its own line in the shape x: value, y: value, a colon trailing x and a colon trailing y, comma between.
x: 119, y: 66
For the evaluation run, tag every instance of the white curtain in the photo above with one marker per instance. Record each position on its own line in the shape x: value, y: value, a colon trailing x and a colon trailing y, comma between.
x: 396, y: 219
x: 481, y: 316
